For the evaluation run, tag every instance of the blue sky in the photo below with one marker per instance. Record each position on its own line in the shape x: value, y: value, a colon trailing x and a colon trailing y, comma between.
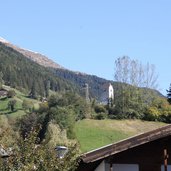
x: 89, y: 35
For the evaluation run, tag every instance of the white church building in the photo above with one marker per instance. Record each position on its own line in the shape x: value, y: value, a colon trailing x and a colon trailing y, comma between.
x: 111, y: 92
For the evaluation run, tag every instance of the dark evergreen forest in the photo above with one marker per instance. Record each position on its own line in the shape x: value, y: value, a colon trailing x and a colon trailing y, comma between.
x: 21, y: 73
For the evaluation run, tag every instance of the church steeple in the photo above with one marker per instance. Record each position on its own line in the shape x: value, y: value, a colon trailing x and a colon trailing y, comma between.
x: 111, y: 95
x: 111, y: 92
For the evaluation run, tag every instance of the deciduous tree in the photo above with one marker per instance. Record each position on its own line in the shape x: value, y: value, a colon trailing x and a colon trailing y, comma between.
x: 131, y: 75
x: 27, y: 154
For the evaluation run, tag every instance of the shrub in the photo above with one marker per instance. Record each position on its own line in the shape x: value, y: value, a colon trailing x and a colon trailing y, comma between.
x: 27, y: 105
x: 100, y: 109
x: 152, y: 114
x: 101, y: 116
x: 11, y: 94
x: 11, y: 104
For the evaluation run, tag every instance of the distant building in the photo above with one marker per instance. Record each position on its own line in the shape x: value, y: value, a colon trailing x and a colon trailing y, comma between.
x: 3, y: 92
x: 111, y: 95
x: 111, y: 92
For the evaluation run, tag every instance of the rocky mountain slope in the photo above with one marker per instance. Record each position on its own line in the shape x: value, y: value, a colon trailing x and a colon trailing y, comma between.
x: 34, y: 56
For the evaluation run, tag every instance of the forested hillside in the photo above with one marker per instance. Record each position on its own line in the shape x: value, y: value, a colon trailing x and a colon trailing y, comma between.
x: 129, y: 101
x: 28, y: 70
x: 21, y: 69
x: 22, y: 73
x: 98, y: 87
x: 34, y: 56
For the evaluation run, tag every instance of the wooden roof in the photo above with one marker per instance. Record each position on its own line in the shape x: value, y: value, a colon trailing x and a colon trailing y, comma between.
x: 129, y: 143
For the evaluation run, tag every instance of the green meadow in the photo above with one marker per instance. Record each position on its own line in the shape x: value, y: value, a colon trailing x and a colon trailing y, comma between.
x: 93, y: 134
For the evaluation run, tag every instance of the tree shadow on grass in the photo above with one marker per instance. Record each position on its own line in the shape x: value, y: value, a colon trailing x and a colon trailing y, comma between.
x: 9, y: 112
x: 3, y: 98
x: 1, y: 110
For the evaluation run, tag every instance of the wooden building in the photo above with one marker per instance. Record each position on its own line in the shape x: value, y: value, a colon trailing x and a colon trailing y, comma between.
x: 3, y: 93
x: 150, y: 151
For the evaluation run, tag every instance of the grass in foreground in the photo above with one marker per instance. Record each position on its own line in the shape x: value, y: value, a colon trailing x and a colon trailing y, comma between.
x: 93, y: 134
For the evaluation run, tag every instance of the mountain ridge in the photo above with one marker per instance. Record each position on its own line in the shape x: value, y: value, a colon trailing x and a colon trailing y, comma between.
x: 38, y: 57
x: 24, y: 74
x: 34, y: 56
x: 98, y: 87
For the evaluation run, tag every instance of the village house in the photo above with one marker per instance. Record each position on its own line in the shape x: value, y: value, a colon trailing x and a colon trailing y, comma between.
x: 150, y: 151
x: 3, y: 93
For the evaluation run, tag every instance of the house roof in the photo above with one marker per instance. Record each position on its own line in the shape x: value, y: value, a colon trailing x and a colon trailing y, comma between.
x: 129, y: 143
x: 3, y: 92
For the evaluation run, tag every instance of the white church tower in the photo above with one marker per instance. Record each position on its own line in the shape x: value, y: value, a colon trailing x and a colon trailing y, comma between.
x: 111, y: 95
x: 111, y: 92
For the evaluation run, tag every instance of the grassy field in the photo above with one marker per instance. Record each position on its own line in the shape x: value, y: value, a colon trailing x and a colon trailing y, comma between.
x: 19, y: 111
x: 93, y: 134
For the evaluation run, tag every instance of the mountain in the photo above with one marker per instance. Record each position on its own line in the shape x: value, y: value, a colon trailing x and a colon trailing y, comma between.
x: 22, y: 73
x: 34, y: 56
x: 98, y: 87
x: 95, y: 86
x: 39, y: 67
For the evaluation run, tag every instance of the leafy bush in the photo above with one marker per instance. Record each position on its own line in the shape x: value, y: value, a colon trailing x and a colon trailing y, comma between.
x: 11, y: 94
x: 64, y: 117
x: 100, y: 109
x: 43, y: 107
x: 11, y: 104
x: 101, y: 116
x: 27, y: 105
x: 133, y: 114
x: 152, y: 114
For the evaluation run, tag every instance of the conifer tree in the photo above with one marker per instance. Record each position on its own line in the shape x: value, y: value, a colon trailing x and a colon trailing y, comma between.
x: 1, y: 80
x: 47, y: 88
x: 33, y: 93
